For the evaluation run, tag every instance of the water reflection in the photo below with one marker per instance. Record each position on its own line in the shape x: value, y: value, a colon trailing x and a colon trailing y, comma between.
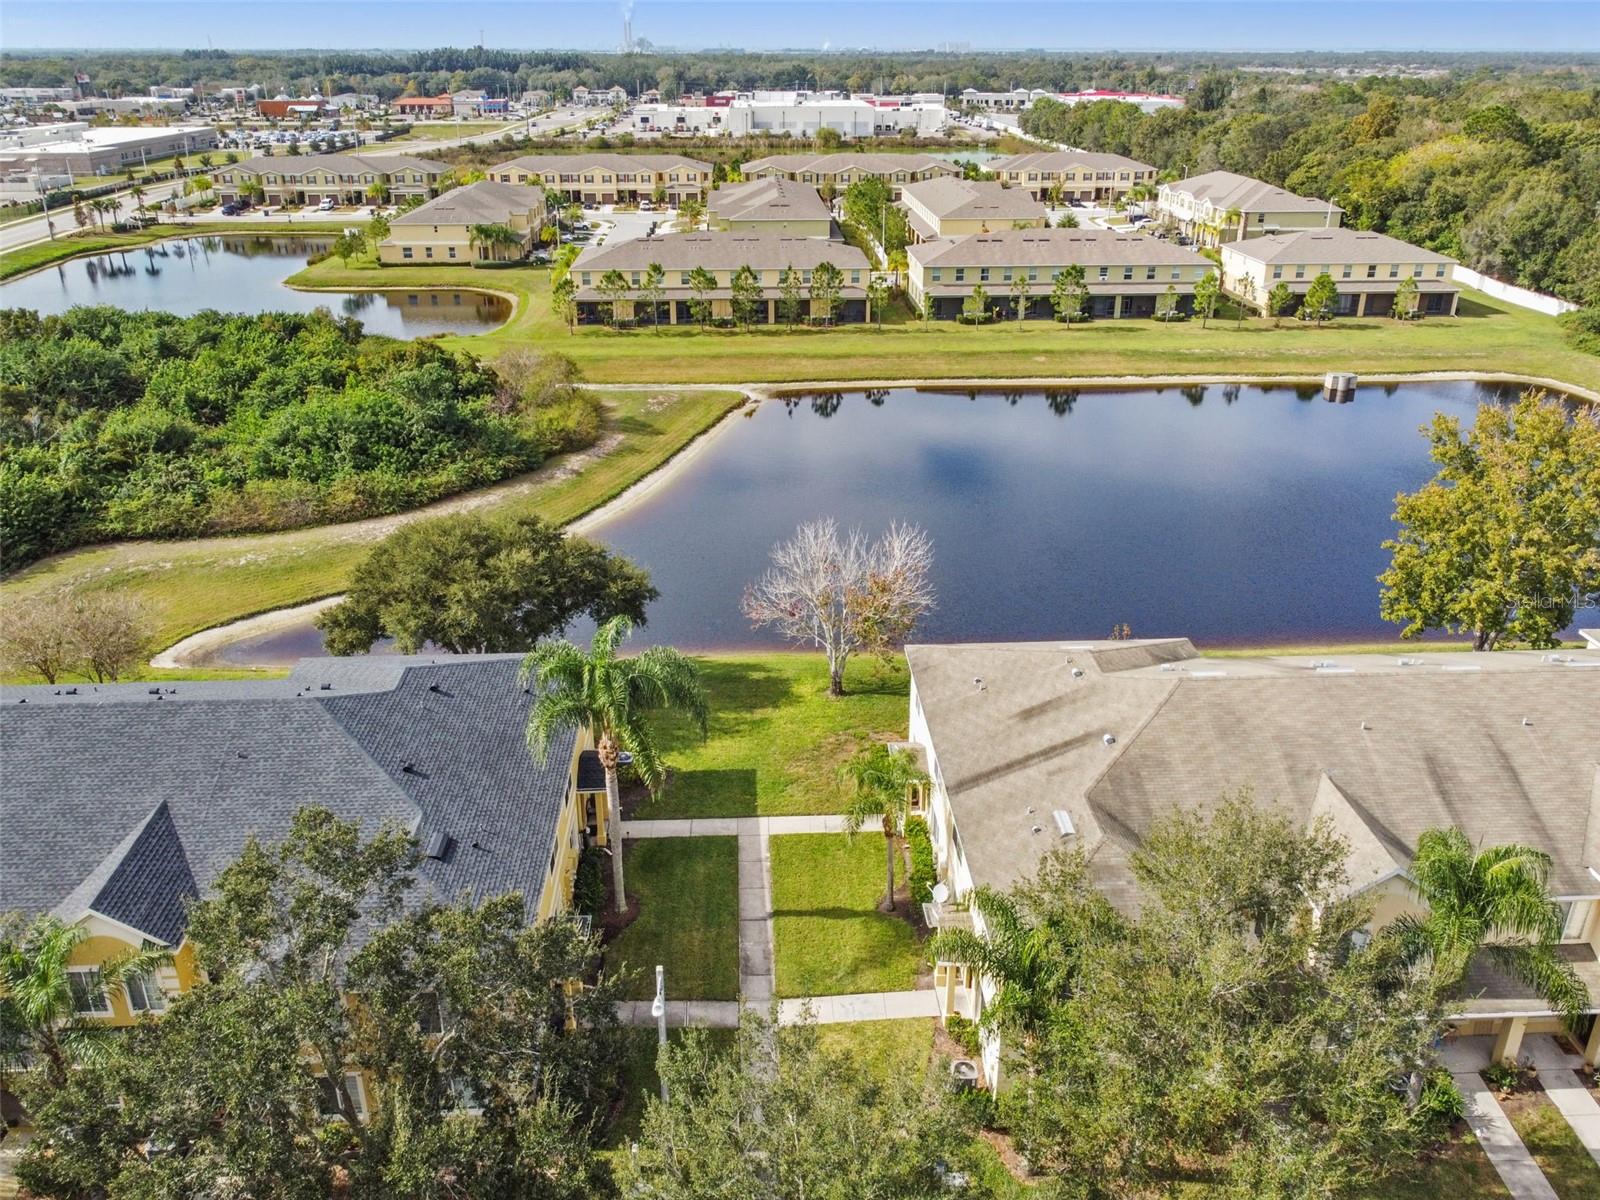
x: 242, y: 273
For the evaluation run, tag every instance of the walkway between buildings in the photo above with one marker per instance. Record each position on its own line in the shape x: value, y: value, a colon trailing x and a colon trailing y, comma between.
x: 1499, y: 1139
x: 1565, y: 1089
x: 756, y: 980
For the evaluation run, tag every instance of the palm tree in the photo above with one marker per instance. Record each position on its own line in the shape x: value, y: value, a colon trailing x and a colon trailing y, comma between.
x: 1493, y: 902
x: 884, y: 779
x: 610, y: 697
x: 490, y: 238
x: 377, y: 193
x: 38, y: 1013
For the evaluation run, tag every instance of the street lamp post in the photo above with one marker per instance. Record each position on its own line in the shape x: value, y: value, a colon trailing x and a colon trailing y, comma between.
x: 658, y: 1010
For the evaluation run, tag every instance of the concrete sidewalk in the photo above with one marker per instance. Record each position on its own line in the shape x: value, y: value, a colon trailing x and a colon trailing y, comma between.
x: 1565, y: 1089
x: 1500, y: 1141
x: 733, y: 826
x: 825, y: 1010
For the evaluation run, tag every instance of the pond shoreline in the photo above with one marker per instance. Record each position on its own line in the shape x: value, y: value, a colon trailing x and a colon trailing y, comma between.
x: 201, y: 649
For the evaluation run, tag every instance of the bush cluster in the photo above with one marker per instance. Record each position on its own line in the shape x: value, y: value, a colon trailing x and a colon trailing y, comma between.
x: 922, y: 871
x: 145, y: 424
x: 589, y: 885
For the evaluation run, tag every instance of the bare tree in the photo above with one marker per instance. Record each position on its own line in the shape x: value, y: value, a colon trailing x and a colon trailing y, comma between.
x: 844, y: 594
x: 107, y: 633
x: 33, y: 638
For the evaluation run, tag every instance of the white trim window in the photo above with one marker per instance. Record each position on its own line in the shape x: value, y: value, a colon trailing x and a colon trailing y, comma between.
x: 88, y: 989
x: 1574, y: 919
x: 144, y: 993
x: 328, y: 1103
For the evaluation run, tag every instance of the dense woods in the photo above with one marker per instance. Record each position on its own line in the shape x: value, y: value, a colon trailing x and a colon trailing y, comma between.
x: 144, y: 424
x: 1500, y: 172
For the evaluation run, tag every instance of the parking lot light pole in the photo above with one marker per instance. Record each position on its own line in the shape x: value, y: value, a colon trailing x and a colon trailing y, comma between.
x: 658, y: 1010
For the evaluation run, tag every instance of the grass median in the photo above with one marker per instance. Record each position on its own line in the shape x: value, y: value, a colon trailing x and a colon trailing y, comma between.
x: 197, y: 584
x: 687, y: 890
x: 1488, y: 336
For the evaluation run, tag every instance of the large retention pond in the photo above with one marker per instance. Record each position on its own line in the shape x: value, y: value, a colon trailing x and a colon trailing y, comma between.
x: 1232, y: 515
x: 242, y: 273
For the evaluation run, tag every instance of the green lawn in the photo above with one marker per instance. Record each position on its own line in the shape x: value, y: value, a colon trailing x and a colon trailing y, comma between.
x: 828, y: 935
x: 1488, y: 336
x: 777, y: 740
x: 1554, y: 1146
x: 688, y: 893
x: 194, y: 585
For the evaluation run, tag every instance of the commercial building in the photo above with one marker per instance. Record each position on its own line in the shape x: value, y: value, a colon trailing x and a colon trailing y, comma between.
x: 1219, y: 207
x: 1074, y: 175
x: 602, y: 178
x: 799, y: 114
x: 1366, y: 267
x: 309, y: 178
x: 14, y: 137
x: 611, y: 97
x: 1015, y: 100
x: 949, y: 207
x: 478, y: 104
x: 126, y: 106
x: 771, y: 206
x: 107, y: 151
x: 1125, y: 275
x: 1090, y: 745
x: 840, y: 170
x: 290, y: 108
x: 35, y: 97
x: 442, y: 230
x: 123, y: 802
x: 722, y: 255
x: 425, y: 106
x: 1019, y: 99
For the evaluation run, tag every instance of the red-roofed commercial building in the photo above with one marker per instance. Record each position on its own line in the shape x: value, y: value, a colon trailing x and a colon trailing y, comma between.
x: 425, y: 106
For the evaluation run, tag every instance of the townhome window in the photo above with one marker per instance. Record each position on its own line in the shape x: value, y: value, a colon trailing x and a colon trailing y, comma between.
x: 634, y: 278
x: 1149, y: 272
x: 961, y: 274
x: 1574, y: 918
x: 405, y: 252
x: 683, y: 278
x: 1105, y: 274
x: 983, y: 274
x: 1345, y: 274
x: 1127, y: 273
x: 1438, y: 271
x: 805, y: 276
x: 1394, y: 270
x: 1416, y: 271
x: 88, y: 992
x: 1033, y: 274
x: 855, y: 276
x: 937, y: 274
x: 1123, y: 175
x: 452, y: 251
x: 427, y: 251
x: 1005, y: 275
x: 1299, y: 272
x: 586, y: 279
x: 328, y: 1103
x: 145, y: 994
x: 1177, y: 273
x: 1372, y: 270
x: 1033, y: 176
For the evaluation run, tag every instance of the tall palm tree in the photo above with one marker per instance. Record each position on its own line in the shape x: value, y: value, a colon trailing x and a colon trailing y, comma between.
x: 1023, y: 958
x: 610, y: 697
x: 491, y: 238
x: 1495, y: 902
x: 884, y: 779
x: 38, y: 1015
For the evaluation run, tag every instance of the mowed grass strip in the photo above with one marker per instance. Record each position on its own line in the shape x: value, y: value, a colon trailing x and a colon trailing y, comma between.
x: 1488, y: 336
x: 828, y: 935
x: 1572, y: 1172
x: 197, y: 584
x: 777, y: 739
x: 688, y: 895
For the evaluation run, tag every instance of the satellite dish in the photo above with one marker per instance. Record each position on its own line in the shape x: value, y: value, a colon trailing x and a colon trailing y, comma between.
x: 940, y: 893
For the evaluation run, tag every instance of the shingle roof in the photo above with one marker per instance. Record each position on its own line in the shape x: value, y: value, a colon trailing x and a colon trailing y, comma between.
x: 111, y: 795
x: 1503, y: 745
x: 832, y: 164
x: 1226, y: 190
x: 1053, y: 247
x: 337, y: 164
x: 483, y: 203
x: 768, y: 200
x: 721, y: 251
x: 588, y: 160
x: 1333, y: 246
x: 1068, y: 160
x: 970, y: 199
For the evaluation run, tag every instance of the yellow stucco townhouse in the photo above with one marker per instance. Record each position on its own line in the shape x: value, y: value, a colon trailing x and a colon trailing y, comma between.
x: 452, y: 228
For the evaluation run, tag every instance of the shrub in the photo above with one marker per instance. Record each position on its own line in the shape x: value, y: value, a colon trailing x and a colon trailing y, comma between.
x: 964, y: 1033
x: 589, y: 887
x: 1441, y: 1104
x: 1583, y: 328
x: 1502, y: 1077
x: 922, y: 872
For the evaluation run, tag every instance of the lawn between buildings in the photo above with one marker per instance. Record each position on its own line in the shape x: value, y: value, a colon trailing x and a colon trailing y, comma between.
x: 1489, y: 337
x: 687, y: 893
x: 196, y: 584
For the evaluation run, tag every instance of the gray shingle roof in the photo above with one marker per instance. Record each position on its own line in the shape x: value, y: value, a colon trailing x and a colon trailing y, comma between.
x: 721, y: 251
x: 1226, y: 190
x: 483, y: 203
x: 768, y: 200
x: 1333, y: 246
x: 1053, y: 247
x: 110, y: 795
x: 1052, y: 161
x: 970, y: 199
x: 587, y: 160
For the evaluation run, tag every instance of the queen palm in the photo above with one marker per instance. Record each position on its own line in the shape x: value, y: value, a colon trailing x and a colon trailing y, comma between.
x: 884, y: 779
x: 491, y: 238
x: 39, y: 1016
x: 1495, y: 902
x: 610, y: 697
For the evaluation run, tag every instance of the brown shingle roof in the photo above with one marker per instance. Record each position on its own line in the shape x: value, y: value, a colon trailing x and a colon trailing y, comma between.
x: 970, y: 199
x: 483, y: 203
x: 768, y: 200
x: 721, y: 251
x: 1226, y: 190
x: 1333, y: 246
x: 1069, y: 160
x: 1052, y: 247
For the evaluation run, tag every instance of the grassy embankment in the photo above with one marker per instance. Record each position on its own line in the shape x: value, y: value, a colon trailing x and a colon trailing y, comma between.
x: 84, y: 241
x: 194, y: 585
x: 1488, y: 337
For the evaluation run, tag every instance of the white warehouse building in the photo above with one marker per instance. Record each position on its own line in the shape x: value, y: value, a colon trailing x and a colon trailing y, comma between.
x: 800, y: 114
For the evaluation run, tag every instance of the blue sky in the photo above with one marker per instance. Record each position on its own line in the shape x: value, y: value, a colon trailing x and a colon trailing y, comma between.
x: 771, y: 24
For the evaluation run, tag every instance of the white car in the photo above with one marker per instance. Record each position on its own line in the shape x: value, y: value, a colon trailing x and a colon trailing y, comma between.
x: 327, y: 205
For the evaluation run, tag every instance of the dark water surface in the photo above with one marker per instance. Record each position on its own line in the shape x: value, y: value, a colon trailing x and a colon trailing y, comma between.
x: 242, y: 273
x: 1229, y: 514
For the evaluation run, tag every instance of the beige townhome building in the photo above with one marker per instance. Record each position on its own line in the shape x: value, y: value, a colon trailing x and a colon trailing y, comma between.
x: 1079, y: 174
x: 950, y: 207
x: 839, y: 171
x: 771, y: 206
x: 1088, y: 745
x: 610, y: 178
x: 346, y: 178
x: 722, y: 255
x: 1220, y: 206
x: 1366, y: 267
x: 450, y: 228
x: 1125, y: 275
